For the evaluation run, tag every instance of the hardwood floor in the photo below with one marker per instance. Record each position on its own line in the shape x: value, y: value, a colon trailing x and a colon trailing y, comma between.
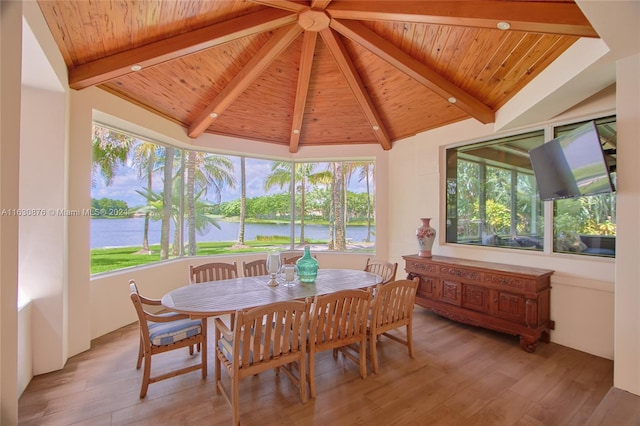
x: 461, y: 375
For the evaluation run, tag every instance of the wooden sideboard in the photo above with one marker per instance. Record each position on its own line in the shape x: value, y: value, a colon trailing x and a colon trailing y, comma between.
x: 505, y: 298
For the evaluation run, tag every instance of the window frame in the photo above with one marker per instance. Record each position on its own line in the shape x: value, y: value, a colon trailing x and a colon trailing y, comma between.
x: 490, y: 240
x: 182, y: 153
x: 548, y: 208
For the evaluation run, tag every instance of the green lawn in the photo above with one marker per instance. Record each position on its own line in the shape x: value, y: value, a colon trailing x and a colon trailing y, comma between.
x: 110, y: 259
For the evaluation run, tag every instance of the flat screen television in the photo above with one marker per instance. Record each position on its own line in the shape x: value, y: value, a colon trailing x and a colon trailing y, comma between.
x: 571, y: 165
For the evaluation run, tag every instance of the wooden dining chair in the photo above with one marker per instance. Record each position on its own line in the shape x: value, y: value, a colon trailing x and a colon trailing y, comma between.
x: 213, y: 271
x: 255, y: 268
x: 154, y: 302
x: 392, y: 308
x: 291, y: 259
x: 165, y: 332
x: 338, y: 320
x: 386, y: 270
x: 267, y: 337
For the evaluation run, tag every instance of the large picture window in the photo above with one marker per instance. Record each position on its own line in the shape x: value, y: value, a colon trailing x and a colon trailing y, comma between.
x: 491, y: 194
x: 492, y: 199
x: 151, y: 203
x: 587, y: 225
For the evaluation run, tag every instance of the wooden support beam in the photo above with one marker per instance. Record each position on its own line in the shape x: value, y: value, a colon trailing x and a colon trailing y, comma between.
x: 414, y: 69
x: 354, y: 81
x: 276, y: 44
x: 291, y: 6
x: 563, y: 18
x: 114, y: 66
x: 304, y: 76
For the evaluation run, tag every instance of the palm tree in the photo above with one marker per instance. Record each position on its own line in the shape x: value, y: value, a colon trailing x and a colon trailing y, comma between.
x: 205, y: 172
x: 156, y: 204
x: 243, y: 201
x: 110, y: 149
x: 367, y: 173
x: 338, y: 202
x: 145, y: 162
x: 169, y: 153
x: 281, y: 175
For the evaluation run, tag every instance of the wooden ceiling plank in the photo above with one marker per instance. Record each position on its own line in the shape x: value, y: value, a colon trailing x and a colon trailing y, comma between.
x: 276, y: 44
x: 414, y: 69
x: 530, y: 16
x: 291, y: 6
x: 354, y: 81
x: 114, y: 66
x: 304, y: 76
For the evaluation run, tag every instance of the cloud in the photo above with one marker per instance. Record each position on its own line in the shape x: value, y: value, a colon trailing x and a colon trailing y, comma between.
x: 126, y: 182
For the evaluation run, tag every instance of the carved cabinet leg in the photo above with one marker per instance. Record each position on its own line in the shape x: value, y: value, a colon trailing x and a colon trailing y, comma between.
x: 545, y: 336
x: 528, y: 344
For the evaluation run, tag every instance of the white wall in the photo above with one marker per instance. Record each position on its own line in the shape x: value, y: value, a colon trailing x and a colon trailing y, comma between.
x: 25, y: 348
x: 10, y: 76
x: 43, y: 233
x: 627, y: 298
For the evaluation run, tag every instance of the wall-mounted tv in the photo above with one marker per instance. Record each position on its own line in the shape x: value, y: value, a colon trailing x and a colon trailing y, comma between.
x: 571, y: 165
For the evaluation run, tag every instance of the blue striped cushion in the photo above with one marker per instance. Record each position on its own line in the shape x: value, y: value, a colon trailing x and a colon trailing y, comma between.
x: 226, y: 347
x: 165, y: 333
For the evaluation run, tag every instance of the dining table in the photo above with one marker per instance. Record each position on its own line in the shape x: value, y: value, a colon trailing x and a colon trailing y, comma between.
x: 221, y: 297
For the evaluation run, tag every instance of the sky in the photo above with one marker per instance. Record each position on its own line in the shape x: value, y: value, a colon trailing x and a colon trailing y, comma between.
x: 126, y: 182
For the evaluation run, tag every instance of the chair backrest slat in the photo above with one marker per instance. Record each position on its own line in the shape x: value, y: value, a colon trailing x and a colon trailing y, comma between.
x: 269, y: 332
x: 386, y: 270
x: 255, y: 268
x: 393, y: 302
x: 338, y: 317
x: 214, y: 271
x: 291, y: 260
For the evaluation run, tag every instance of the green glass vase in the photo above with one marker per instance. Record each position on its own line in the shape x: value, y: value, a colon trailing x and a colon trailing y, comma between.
x: 307, y: 267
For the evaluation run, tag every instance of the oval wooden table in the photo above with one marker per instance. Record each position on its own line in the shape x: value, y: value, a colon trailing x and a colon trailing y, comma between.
x: 227, y: 296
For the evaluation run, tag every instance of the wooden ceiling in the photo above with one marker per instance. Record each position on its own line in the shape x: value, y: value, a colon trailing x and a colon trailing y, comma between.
x: 320, y: 72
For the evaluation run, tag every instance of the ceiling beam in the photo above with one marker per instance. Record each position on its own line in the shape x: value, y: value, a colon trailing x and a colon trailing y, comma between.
x: 414, y: 69
x: 350, y: 74
x: 531, y: 16
x: 114, y: 66
x: 291, y: 6
x: 319, y: 4
x: 304, y: 76
x: 258, y: 63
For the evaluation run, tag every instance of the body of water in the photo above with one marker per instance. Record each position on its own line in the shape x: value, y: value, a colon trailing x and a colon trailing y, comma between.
x: 128, y: 232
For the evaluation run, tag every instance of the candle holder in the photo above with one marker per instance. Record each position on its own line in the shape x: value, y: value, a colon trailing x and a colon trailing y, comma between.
x: 289, y: 272
x: 273, y: 266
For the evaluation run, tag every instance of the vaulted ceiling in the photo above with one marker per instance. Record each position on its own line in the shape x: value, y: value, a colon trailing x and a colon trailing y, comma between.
x: 320, y: 72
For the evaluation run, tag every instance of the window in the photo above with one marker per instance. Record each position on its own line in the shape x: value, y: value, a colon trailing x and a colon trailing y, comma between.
x: 491, y: 194
x: 492, y: 199
x: 587, y: 225
x: 220, y: 204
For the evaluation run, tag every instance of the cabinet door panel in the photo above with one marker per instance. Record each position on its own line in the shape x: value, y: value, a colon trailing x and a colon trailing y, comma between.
x: 475, y: 297
x: 509, y: 306
x: 427, y: 287
x: 451, y: 292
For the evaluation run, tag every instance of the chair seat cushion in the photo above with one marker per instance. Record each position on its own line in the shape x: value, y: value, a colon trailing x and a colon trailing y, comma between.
x: 226, y: 347
x: 166, y: 333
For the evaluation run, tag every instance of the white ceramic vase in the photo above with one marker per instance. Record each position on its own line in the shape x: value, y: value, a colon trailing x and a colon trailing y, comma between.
x: 426, y: 235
